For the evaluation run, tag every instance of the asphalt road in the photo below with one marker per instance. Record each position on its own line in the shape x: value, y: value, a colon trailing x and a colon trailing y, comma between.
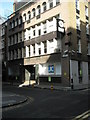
x: 44, y: 103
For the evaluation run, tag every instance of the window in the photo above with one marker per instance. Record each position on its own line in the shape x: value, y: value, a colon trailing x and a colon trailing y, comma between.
x: 33, y: 12
x: 33, y: 32
x: 20, y: 20
x: 19, y: 53
x: 13, y: 24
x: 89, y: 70
x: 33, y: 48
x: 77, y: 4
x: 44, y: 28
x: 50, y: 3
x: 77, y: 22
x: 87, y: 28
x: 28, y: 50
x: 24, y: 52
x: 29, y: 35
x: 29, y: 15
x: 57, y: 2
x: 39, y: 51
x: 16, y: 54
x: 17, y: 38
x: 45, y: 46
x: 24, y: 35
x: 10, y: 24
x: 80, y: 71
x: 44, y: 6
x: 9, y: 55
x: 38, y: 10
x: 39, y: 32
x: 88, y: 48
x: 20, y: 35
x: 86, y: 10
x: 17, y: 22
x: 9, y: 41
x: 24, y: 17
x: 79, y: 45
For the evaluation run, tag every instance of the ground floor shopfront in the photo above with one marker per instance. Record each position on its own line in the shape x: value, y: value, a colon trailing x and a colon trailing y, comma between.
x: 50, y: 69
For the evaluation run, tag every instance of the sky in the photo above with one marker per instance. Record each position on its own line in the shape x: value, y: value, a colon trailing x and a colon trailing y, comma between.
x: 6, y: 7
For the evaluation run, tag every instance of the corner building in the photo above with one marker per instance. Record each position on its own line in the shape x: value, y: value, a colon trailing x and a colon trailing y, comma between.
x: 49, y: 41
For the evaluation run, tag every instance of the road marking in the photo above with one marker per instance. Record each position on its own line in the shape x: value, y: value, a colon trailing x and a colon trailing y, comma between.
x: 86, y: 116
x: 83, y: 115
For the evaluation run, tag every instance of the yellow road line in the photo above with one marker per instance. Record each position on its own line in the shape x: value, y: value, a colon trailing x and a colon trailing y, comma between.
x: 82, y: 115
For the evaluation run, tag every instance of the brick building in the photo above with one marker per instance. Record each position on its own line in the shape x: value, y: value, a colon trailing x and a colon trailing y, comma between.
x: 50, y: 40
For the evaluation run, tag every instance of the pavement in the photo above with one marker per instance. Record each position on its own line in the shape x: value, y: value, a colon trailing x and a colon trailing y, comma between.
x: 52, y: 87
x: 10, y: 99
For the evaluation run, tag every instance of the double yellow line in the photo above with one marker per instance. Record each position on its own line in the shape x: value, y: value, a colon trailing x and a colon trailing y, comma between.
x: 83, y: 116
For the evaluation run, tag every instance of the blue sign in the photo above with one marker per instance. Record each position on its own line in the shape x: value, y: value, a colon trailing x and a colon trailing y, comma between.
x: 51, y: 68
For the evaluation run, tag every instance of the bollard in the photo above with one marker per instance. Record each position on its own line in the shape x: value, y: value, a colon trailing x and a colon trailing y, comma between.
x: 72, y: 84
x: 32, y: 85
x: 51, y: 87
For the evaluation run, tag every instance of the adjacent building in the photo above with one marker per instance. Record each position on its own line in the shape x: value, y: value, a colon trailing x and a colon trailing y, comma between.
x: 2, y: 47
x: 49, y: 41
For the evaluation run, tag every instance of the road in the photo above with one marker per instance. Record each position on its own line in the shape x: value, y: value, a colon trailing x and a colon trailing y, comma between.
x: 44, y: 103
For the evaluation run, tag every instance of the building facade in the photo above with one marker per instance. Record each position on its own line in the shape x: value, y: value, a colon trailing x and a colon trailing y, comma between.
x: 2, y: 47
x: 49, y: 41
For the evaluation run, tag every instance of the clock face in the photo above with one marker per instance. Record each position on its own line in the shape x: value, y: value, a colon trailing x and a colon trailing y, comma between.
x: 61, y: 24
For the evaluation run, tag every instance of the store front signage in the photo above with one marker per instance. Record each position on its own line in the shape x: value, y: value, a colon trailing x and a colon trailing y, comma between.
x: 51, y: 69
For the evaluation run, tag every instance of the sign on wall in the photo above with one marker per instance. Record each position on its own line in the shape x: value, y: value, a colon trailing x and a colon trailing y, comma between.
x: 51, y: 69
x: 60, y: 27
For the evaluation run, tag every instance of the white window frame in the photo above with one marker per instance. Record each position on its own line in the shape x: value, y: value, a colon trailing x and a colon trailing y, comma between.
x: 78, y: 22
x: 77, y: 5
x: 86, y: 10
x: 44, y: 5
x: 87, y: 28
x: 50, y: 4
x: 79, y: 45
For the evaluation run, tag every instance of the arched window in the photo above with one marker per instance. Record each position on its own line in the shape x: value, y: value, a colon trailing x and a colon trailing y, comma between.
x: 29, y: 15
x: 20, y: 20
x: 13, y: 24
x: 38, y: 10
x: 33, y: 12
x: 50, y: 3
x: 44, y: 6
x: 24, y: 17
x: 17, y: 22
